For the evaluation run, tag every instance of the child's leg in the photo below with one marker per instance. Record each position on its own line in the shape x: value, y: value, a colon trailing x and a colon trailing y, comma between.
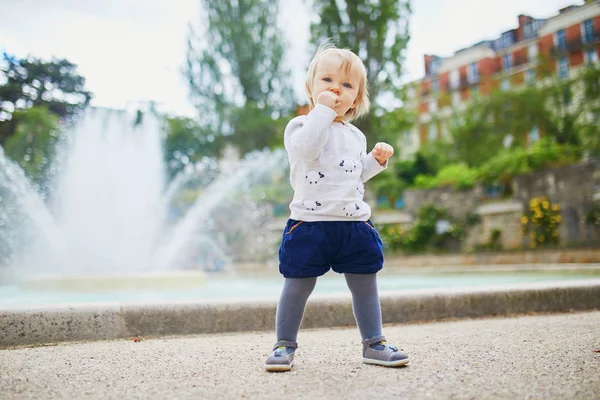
x: 290, y: 309
x: 367, y: 311
x: 365, y: 303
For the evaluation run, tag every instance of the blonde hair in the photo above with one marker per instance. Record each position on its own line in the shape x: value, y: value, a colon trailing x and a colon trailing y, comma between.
x: 348, y: 60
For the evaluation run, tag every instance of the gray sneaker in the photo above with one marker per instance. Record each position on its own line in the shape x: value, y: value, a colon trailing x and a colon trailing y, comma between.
x: 282, y: 358
x: 384, y: 354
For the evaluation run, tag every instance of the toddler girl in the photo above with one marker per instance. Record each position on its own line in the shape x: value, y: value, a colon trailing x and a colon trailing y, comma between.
x: 329, y: 226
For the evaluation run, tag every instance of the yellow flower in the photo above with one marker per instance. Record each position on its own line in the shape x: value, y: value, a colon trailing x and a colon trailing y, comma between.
x: 555, y: 207
x: 545, y: 205
x: 533, y: 203
x: 524, y: 220
x: 532, y: 235
x: 558, y: 218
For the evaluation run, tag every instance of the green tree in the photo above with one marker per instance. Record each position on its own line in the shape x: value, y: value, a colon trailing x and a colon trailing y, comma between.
x: 567, y: 111
x: 32, y: 145
x: 187, y: 142
x: 376, y: 30
x: 235, y: 71
x: 252, y: 129
x: 388, y: 125
x: 475, y: 134
x: 30, y: 82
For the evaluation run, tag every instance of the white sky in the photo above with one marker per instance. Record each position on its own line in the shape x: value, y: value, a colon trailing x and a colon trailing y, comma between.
x: 133, y: 50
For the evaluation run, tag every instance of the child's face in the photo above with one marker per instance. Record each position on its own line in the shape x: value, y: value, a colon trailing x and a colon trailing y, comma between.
x: 331, y: 76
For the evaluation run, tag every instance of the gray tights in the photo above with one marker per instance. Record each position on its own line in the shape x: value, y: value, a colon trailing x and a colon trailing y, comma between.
x: 365, y: 304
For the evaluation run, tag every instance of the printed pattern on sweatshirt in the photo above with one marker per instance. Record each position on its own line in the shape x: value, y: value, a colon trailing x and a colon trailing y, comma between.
x: 329, y: 165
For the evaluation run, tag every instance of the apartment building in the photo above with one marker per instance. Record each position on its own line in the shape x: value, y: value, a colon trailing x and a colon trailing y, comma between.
x: 565, y: 42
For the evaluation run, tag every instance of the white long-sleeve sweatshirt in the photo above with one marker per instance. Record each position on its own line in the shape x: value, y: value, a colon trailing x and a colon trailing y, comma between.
x: 329, y: 165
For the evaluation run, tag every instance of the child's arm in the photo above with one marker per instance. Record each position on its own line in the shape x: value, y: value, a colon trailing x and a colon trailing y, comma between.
x: 376, y: 161
x: 305, y: 137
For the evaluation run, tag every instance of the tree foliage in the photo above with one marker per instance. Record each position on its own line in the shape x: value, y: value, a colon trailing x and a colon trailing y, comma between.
x: 32, y: 82
x: 545, y: 153
x: 567, y: 111
x: 459, y: 175
x: 188, y: 142
x: 32, y: 145
x: 235, y: 71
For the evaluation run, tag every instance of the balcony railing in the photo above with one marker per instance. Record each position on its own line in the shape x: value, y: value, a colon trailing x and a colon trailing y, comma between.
x: 520, y: 60
x: 573, y: 45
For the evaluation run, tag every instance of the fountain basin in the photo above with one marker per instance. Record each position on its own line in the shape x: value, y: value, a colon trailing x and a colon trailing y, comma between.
x: 160, y: 281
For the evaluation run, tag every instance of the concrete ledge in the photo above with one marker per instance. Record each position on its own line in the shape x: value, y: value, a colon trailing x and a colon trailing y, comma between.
x: 539, y: 257
x: 31, y: 325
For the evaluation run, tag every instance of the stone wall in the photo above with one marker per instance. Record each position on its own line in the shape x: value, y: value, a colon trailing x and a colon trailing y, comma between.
x: 504, y: 216
x: 458, y: 202
x: 576, y: 188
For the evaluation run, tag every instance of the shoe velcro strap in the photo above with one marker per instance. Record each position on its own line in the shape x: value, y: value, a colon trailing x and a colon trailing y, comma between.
x: 286, y: 343
x: 376, y: 339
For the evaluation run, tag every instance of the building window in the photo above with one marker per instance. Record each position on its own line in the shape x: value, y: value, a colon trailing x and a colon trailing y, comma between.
x: 591, y: 56
x: 534, y: 135
x: 560, y: 39
x: 435, y: 85
x: 434, y: 65
x: 473, y: 73
x: 454, y: 78
x: 588, y: 31
x: 433, y: 105
x: 507, y: 39
x: 532, y: 52
x: 528, y: 29
x: 530, y: 76
x: 505, y: 84
x: 432, y: 133
x: 563, y: 68
x: 506, y: 62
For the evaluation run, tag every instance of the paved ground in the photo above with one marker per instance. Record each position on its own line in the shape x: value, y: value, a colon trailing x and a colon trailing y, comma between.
x: 533, y: 357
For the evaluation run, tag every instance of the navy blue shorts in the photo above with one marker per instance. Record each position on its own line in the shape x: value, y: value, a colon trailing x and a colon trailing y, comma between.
x: 310, y: 249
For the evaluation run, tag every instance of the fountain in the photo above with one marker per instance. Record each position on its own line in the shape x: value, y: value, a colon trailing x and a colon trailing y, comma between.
x: 107, y: 221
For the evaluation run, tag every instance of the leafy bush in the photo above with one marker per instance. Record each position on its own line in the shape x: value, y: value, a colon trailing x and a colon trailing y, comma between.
x: 543, y: 154
x: 494, y: 243
x: 593, y: 217
x: 424, y: 235
x: 426, y: 182
x: 459, y: 175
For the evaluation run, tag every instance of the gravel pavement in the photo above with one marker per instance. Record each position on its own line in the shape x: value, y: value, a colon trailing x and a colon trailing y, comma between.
x: 526, y: 357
